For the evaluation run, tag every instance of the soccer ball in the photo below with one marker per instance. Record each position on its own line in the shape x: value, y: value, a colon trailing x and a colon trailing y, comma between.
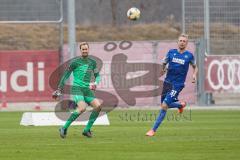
x: 133, y: 14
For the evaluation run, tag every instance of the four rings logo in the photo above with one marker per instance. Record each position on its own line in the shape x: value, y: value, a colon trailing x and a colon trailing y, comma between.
x: 224, y: 74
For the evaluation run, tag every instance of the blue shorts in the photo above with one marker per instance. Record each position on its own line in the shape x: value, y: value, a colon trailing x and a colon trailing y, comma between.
x: 170, y: 94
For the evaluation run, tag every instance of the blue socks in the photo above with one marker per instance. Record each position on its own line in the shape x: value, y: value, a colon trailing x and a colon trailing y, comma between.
x: 162, y: 114
x: 159, y: 119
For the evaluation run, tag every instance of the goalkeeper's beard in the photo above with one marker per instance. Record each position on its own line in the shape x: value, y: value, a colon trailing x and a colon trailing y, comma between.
x: 85, y: 55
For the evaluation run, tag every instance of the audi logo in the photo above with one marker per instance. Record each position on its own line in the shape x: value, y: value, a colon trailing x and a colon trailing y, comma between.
x: 224, y: 74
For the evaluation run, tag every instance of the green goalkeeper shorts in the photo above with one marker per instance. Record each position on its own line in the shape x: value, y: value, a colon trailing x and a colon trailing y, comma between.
x: 83, y: 94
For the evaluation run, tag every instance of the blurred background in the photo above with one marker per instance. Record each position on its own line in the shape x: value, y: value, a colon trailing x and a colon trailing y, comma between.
x: 37, y: 36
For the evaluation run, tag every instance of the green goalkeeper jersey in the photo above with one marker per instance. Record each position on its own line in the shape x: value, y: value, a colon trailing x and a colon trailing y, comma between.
x: 83, y: 70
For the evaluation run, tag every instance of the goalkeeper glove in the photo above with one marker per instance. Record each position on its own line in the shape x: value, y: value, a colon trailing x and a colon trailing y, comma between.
x: 93, y: 86
x: 57, y: 93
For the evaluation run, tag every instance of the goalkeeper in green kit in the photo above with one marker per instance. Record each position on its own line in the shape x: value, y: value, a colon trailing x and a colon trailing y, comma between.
x: 83, y: 90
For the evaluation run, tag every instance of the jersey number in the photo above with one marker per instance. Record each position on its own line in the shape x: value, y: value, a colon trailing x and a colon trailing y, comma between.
x: 173, y: 93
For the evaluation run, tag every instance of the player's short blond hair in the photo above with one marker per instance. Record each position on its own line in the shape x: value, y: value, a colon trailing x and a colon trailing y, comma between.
x: 183, y: 35
x: 82, y: 44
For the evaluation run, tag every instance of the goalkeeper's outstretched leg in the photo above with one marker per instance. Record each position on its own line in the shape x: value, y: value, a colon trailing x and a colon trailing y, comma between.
x: 76, y: 113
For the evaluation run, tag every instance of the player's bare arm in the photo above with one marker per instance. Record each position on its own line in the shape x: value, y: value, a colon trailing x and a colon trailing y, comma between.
x: 164, y: 65
x: 195, y: 71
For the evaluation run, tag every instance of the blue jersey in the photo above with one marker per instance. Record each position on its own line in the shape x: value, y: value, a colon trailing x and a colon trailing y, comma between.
x: 178, y: 64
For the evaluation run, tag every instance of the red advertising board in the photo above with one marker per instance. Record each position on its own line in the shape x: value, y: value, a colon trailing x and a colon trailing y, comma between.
x: 24, y: 75
x: 222, y: 74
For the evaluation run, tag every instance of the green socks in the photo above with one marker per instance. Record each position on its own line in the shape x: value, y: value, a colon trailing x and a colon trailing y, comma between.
x: 91, y: 120
x: 72, y: 118
x: 75, y: 115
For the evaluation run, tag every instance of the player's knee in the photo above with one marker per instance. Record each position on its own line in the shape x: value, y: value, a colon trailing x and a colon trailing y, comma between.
x: 81, y: 109
x: 164, y: 106
x: 97, y: 105
x: 98, y: 108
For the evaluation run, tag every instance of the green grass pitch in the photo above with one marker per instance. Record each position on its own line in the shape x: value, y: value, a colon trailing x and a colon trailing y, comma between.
x: 199, y: 135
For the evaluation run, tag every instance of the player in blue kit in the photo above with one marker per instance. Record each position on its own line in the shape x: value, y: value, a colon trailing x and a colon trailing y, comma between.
x: 178, y: 61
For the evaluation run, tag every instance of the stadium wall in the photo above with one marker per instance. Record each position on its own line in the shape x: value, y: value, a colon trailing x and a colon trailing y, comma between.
x: 24, y: 75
